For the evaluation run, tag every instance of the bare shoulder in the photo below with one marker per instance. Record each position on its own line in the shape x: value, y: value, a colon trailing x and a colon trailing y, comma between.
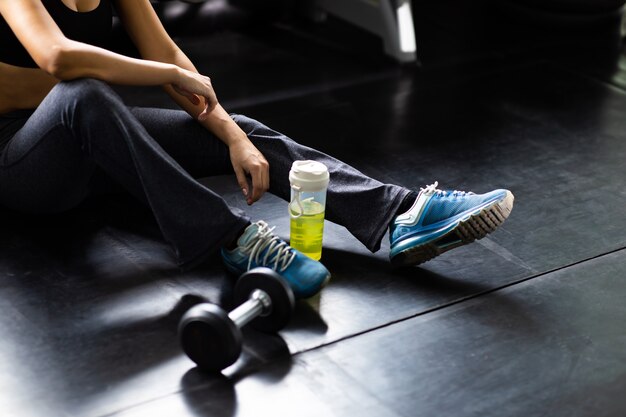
x: 27, y: 15
x: 11, y: 7
x: 32, y: 25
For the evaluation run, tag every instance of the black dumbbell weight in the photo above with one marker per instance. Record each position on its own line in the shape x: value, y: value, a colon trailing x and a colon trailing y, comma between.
x: 212, y: 338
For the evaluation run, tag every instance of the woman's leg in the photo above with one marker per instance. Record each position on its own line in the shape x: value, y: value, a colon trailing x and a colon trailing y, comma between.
x: 202, y: 154
x: 431, y: 223
x: 364, y: 206
x: 82, y: 126
x: 189, y: 143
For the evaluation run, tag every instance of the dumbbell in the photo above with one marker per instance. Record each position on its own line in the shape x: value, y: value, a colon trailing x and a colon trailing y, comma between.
x: 212, y: 338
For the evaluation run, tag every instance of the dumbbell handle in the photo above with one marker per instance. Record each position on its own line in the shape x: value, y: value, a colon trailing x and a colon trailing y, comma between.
x: 258, y: 304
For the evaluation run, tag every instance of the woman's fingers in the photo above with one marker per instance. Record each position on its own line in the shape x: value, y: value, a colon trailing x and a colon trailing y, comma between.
x: 248, y: 161
x: 198, y: 90
x: 243, y: 183
x: 194, y: 99
x: 210, y: 102
x: 260, y: 180
x: 259, y: 176
x: 210, y: 98
x: 205, y: 112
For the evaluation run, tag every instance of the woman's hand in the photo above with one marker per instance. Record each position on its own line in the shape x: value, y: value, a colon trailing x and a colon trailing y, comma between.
x: 195, y: 86
x: 247, y: 160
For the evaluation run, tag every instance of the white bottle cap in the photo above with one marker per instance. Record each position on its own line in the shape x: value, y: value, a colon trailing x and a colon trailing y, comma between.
x: 309, y: 175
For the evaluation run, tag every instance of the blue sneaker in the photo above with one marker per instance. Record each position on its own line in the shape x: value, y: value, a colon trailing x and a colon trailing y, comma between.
x: 442, y: 220
x: 258, y: 246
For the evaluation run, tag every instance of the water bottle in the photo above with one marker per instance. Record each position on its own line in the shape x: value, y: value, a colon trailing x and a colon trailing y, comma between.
x: 309, y: 181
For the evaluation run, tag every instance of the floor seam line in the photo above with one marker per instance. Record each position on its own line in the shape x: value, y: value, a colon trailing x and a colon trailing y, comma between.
x: 461, y: 300
x: 295, y: 93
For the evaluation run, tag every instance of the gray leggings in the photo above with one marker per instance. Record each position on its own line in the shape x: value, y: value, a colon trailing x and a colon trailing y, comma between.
x: 83, y: 132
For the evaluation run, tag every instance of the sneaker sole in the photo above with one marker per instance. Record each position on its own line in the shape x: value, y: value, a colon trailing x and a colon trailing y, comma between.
x: 476, y: 226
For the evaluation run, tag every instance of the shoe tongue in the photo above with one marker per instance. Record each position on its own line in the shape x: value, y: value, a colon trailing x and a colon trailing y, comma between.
x: 248, y: 234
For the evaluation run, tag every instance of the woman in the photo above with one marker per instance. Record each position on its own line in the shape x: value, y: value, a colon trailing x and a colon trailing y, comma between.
x: 62, y: 129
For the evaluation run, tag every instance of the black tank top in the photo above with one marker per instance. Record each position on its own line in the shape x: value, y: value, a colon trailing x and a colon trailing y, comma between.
x: 93, y: 27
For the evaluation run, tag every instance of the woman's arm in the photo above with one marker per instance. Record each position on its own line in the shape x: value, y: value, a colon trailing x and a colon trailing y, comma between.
x: 153, y: 43
x: 66, y: 59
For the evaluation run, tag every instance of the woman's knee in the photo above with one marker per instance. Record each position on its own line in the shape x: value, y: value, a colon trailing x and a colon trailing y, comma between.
x: 83, y: 92
x: 81, y: 86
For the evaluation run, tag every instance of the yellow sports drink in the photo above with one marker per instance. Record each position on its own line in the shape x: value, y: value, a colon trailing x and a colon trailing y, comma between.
x: 307, y: 229
x: 309, y: 181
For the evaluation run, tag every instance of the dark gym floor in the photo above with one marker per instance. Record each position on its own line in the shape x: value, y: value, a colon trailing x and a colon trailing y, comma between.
x: 530, y: 321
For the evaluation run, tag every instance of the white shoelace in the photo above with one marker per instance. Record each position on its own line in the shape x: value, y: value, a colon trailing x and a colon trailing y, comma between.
x: 278, y: 251
x: 432, y: 189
